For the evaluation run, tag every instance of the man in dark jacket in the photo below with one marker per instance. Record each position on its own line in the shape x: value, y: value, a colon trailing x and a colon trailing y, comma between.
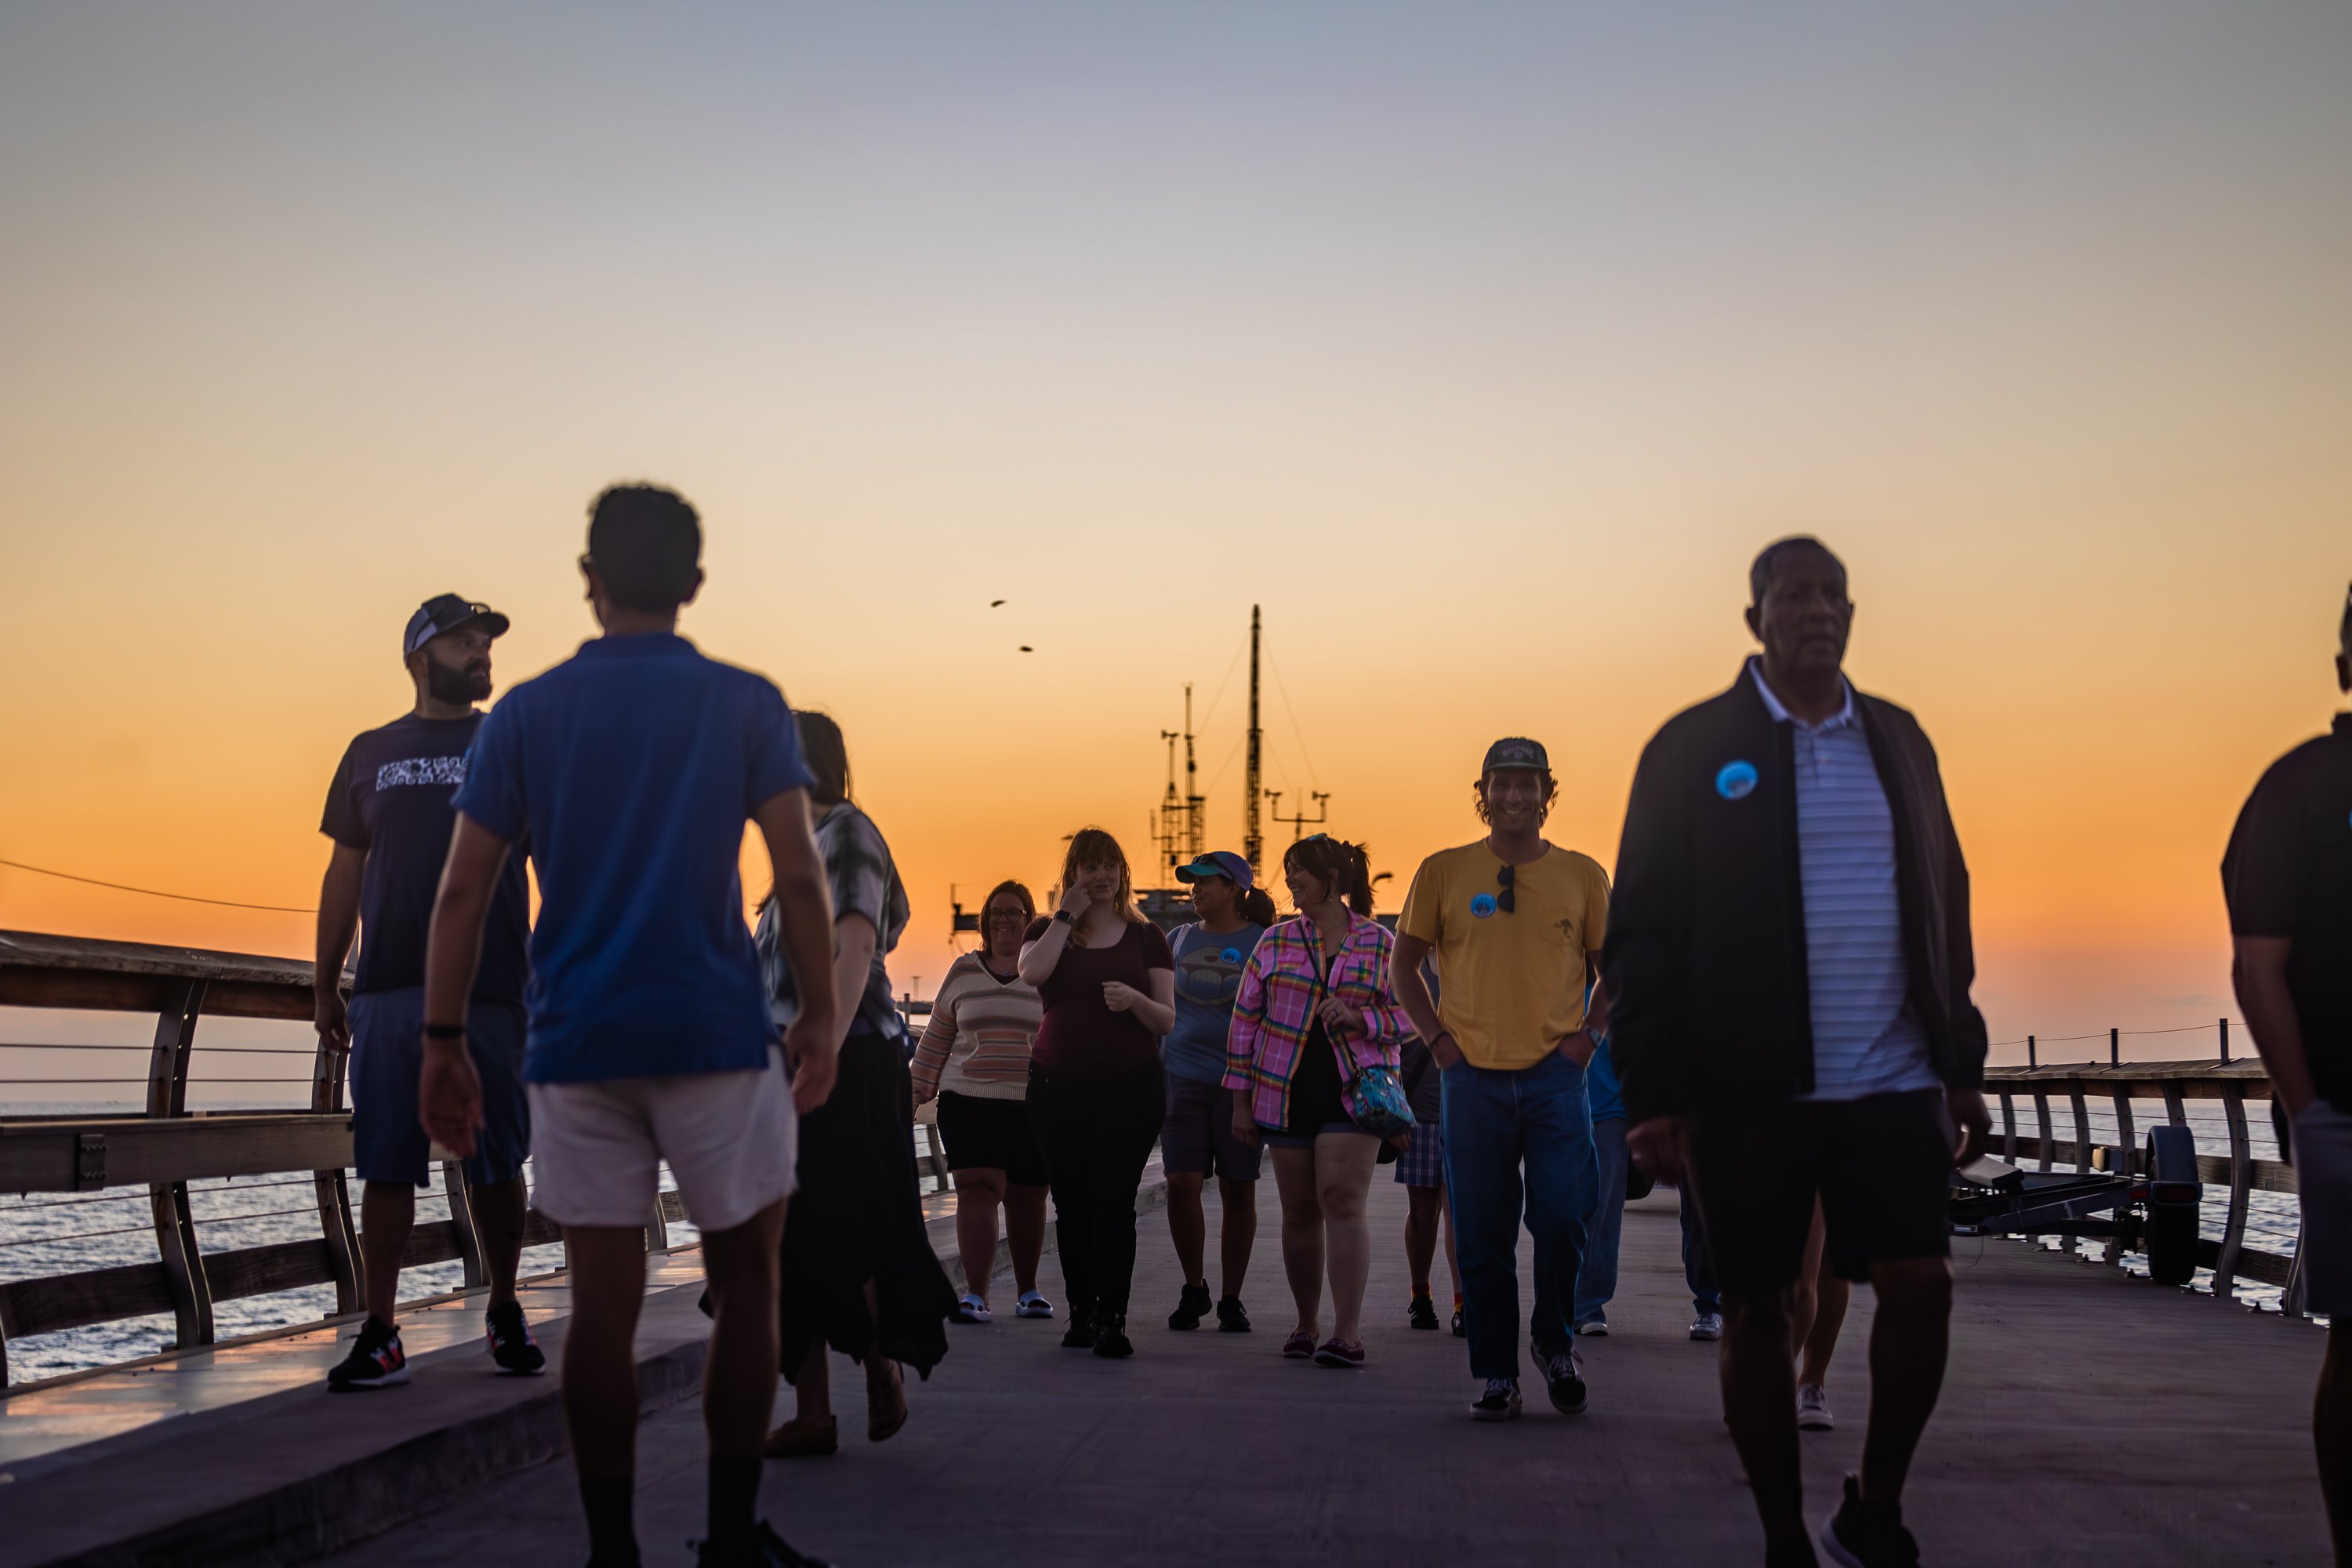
x: 1790, y: 961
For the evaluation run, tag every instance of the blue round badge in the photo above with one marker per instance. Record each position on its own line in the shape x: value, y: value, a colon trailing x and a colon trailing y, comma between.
x: 1231, y: 956
x: 1483, y: 905
x: 1736, y: 780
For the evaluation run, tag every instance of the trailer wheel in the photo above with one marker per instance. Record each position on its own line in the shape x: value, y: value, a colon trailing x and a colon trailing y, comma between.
x: 2172, y: 1245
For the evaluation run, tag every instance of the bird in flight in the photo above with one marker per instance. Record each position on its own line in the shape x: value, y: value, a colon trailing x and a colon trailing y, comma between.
x: 1026, y: 649
x: 994, y: 603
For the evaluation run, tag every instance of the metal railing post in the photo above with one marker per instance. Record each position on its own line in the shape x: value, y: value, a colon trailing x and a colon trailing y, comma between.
x: 2115, y: 1048
x: 2128, y: 1150
x: 2008, y: 1127
x: 2225, y: 1039
x: 2042, y: 1120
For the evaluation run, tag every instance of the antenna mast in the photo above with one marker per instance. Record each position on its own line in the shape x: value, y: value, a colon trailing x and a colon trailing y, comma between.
x: 1195, y: 830
x: 1170, y: 830
x: 1252, y: 845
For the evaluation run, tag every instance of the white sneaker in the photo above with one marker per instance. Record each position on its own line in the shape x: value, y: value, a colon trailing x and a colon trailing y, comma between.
x: 1593, y: 1329
x: 1707, y: 1326
x: 1813, y: 1409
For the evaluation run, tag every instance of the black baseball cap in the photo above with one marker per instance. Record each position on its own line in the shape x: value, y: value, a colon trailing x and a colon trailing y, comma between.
x: 1516, y: 752
x: 445, y: 613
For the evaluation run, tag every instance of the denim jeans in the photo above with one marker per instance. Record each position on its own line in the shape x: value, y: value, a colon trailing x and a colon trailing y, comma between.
x: 1497, y: 1125
x: 1596, y: 1282
x: 1698, y: 1272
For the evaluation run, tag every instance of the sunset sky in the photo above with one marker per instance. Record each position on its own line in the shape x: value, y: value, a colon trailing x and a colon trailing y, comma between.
x: 1482, y: 344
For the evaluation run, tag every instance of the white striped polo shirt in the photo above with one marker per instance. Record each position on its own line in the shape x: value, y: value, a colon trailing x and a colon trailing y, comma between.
x: 1864, y: 1040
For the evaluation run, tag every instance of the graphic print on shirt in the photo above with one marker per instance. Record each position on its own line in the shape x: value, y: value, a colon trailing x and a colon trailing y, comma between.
x: 448, y: 772
x: 1736, y: 780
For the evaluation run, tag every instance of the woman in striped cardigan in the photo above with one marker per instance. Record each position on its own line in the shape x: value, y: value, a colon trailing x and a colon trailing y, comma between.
x: 1315, y: 1010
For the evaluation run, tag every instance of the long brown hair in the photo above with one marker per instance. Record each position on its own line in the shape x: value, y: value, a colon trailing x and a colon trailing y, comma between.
x: 1343, y: 868
x: 1094, y: 847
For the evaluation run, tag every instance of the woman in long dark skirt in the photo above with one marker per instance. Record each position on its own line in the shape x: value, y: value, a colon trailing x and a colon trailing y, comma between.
x: 858, y: 1272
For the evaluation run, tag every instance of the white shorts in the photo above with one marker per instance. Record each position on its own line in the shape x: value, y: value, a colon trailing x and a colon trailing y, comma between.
x: 2323, y: 1179
x: 731, y: 1140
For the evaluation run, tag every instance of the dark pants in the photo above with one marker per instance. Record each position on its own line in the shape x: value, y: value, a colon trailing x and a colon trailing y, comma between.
x: 1496, y: 1124
x: 1698, y: 1272
x: 1097, y: 1129
x: 1596, y: 1282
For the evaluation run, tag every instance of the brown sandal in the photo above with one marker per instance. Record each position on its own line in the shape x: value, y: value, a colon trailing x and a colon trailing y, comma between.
x: 883, y: 1421
x: 796, y: 1439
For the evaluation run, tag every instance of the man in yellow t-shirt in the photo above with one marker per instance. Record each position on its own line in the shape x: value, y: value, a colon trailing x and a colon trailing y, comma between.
x: 1514, y: 924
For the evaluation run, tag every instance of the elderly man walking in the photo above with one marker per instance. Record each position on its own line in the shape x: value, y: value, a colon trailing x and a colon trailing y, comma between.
x: 1789, y: 961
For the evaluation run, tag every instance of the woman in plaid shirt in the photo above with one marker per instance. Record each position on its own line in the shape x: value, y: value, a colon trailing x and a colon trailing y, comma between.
x: 1315, y: 1010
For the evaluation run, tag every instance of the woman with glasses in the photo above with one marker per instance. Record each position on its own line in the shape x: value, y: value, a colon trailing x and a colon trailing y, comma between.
x: 1109, y: 989
x: 1315, y: 1010
x: 974, y: 1058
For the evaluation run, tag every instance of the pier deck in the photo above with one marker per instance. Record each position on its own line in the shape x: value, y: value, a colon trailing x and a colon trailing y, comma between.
x: 2089, y: 1419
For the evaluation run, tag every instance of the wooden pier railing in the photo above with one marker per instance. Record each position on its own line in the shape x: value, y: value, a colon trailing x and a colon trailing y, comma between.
x: 2116, y: 1085
x: 167, y: 1145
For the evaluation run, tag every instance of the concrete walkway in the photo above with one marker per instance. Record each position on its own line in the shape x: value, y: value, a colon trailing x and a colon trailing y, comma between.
x: 2089, y: 1420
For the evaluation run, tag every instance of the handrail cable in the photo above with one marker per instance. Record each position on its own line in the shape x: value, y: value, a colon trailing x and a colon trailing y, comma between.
x: 155, y: 893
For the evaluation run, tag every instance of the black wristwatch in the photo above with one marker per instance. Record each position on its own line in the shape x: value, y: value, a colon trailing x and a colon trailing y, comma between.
x: 444, y: 1031
x: 1065, y: 917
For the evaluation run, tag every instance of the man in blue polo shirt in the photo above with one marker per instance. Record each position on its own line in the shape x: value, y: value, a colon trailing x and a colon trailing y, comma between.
x: 630, y: 769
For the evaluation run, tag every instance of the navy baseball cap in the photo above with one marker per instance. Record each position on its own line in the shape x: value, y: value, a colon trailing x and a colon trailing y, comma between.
x: 1217, y: 863
x: 445, y: 613
x: 1516, y: 752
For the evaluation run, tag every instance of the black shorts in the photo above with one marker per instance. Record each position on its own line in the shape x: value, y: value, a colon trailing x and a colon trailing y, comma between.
x: 1879, y: 1165
x: 991, y: 1135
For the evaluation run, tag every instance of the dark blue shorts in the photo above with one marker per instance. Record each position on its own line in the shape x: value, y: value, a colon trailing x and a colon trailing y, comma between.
x: 388, y: 1141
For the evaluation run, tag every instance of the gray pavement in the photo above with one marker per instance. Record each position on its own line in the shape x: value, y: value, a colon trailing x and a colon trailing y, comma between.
x: 2089, y: 1420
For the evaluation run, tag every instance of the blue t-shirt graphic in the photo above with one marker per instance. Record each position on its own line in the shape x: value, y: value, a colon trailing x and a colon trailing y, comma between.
x: 1208, y: 976
x: 632, y: 767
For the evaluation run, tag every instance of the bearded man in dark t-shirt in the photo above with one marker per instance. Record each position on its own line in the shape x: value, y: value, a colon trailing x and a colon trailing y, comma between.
x: 2288, y: 878
x: 389, y: 813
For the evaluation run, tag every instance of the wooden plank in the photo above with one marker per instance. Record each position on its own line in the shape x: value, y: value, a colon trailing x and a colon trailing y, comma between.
x: 41, y: 1155
x: 258, y: 1271
x: 62, y: 1301
x: 2213, y: 1170
x: 40, y: 951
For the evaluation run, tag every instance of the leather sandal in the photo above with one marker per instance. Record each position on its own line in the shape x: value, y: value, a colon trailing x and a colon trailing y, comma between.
x: 883, y: 1420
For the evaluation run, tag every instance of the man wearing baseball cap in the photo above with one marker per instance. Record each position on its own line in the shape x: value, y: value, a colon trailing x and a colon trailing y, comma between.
x: 1514, y: 924
x: 1196, y: 1137
x: 389, y: 814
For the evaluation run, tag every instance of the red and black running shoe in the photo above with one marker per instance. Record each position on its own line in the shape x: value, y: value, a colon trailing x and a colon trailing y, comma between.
x: 376, y: 1361
x: 511, y: 1346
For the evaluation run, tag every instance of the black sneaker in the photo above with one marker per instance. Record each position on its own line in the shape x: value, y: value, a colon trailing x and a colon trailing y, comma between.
x: 1231, y: 1318
x: 1422, y: 1313
x: 763, y: 1548
x: 1461, y: 1331
x: 1796, y: 1553
x: 376, y: 1359
x: 1191, y: 1308
x: 511, y: 1346
x: 1563, y: 1379
x: 1868, y: 1534
x: 1111, y: 1343
x: 1499, y: 1403
x: 1080, y: 1334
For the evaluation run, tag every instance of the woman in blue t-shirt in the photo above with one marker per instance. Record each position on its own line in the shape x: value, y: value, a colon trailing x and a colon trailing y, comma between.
x: 1198, y: 1135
